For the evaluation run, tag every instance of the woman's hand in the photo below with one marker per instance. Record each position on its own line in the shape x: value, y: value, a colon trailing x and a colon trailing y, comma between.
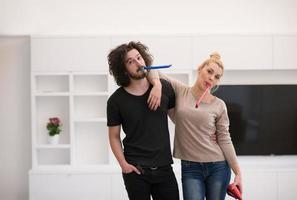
x: 154, y: 100
x: 238, y: 182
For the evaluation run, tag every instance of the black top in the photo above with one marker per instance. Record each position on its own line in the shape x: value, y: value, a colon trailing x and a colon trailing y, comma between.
x: 147, y: 140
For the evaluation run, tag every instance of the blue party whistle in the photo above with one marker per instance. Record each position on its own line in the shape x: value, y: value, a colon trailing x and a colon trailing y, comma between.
x: 153, y: 67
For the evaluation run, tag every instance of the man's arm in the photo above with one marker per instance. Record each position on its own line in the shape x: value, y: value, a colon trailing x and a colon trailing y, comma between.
x: 116, y: 147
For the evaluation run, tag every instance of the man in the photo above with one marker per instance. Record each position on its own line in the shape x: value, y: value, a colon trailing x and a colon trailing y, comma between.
x: 146, y: 157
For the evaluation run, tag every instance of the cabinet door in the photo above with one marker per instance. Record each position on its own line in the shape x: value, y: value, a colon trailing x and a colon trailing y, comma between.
x: 55, y: 186
x: 118, y: 190
x: 285, y: 52
x: 260, y: 185
x: 238, y: 52
x: 69, y: 53
x: 287, y: 183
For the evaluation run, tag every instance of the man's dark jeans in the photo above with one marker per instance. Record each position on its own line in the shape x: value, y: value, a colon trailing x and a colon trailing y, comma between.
x: 160, y: 183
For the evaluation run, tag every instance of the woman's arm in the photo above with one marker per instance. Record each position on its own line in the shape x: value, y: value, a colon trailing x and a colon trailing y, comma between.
x: 238, y: 177
x: 154, y: 77
x: 225, y: 143
x: 154, y: 99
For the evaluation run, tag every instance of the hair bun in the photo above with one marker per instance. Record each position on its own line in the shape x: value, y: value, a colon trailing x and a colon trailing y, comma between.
x: 215, y: 55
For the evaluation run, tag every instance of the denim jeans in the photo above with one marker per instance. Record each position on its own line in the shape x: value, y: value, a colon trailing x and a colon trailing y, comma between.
x: 200, y: 180
x: 159, y: 183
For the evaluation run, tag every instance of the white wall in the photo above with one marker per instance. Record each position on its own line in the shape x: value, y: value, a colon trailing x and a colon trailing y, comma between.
x: 154, y: 16
x: 15, y: 136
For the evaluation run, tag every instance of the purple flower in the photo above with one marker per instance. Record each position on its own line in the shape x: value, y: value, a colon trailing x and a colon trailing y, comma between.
x: 54, y: 126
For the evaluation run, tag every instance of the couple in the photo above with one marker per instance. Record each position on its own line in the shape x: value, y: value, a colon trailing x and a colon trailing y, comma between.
x: 140, y: 106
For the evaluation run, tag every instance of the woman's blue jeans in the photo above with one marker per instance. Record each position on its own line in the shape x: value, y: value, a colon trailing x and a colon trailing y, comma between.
x: 202, y: 180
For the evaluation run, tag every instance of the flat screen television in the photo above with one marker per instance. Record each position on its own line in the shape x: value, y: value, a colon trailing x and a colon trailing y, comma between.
x: 263, y: 118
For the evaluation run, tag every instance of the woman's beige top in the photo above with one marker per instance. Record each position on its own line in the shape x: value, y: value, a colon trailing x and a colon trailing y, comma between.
x: 194, y: 126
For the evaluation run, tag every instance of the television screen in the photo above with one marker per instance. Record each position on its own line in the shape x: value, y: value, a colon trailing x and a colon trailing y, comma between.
x: 263, y: 118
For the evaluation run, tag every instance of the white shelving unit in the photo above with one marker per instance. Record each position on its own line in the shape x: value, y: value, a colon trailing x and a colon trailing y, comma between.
x: 83, y: 154
x: 66, y: 84
x: 79, y: 100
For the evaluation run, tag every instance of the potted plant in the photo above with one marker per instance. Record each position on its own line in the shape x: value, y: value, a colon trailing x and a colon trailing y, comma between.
x: 53, y: 126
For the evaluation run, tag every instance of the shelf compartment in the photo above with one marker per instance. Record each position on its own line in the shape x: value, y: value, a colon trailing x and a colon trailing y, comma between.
x: 53, y: 146
x: 91, y: 143
x: 90, y: 94
x: 47, y: 107
x: 46, y: 94
x: 90, y: 106
x: 102, y: 119
x: 48, y: 84
x: 93, y: 83
x: 53, y: 156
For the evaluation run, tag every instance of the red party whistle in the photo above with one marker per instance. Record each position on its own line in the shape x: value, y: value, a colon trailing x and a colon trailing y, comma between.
x: 202, y: 96
x: 233, y: 191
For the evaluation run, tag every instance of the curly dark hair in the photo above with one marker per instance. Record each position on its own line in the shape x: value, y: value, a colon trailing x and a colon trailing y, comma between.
x: 116, y: 61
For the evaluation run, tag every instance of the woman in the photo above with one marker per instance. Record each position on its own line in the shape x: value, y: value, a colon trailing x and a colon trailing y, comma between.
x: 205, y: 164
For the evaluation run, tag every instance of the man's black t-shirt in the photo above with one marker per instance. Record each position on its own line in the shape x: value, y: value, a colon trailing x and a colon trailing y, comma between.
x: 147, y: 140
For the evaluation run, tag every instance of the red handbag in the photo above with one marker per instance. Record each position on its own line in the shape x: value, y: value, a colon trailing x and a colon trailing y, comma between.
x: 233, y: 191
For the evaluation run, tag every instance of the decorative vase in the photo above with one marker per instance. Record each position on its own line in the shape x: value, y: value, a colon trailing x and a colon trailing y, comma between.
x: 54, y: 139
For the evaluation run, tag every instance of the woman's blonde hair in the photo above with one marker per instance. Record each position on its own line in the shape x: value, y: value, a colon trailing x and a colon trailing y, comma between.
x: 213, y: 58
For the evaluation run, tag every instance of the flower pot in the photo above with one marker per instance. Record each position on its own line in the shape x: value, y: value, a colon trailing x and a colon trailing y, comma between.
x: 54, y: 139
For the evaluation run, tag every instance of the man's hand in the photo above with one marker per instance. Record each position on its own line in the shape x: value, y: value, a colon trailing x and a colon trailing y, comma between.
x: 127, y: 168
x: 154, y: 99
x: 213, y: 138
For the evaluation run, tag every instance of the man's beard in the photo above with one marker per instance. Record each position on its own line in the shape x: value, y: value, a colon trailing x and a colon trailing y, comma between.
x: 137, y: 76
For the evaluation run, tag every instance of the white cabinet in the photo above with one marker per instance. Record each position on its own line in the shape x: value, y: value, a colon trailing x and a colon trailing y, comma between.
x: 118, y: 190
x: 260, y: 181
x: 69, y: 53
x: 237, y: 51
x: 260, y: 184
x: 70, y: 80
x: 74, y: 186
x: 285, y: 52
x: 79, y: 100
x: 287, y: 184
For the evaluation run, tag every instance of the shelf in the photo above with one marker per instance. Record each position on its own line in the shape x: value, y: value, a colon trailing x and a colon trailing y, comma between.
x: 90, y: 106
x: 52, y: 146
x: 45, y: 94
x: 90, y: 83
x: 51, y: 83
x: 79, y: 99
x: 102, y: 119
x: 90, y: 94
x: 53, y: 156
x: 47, y: 107
x: 91, y: 143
